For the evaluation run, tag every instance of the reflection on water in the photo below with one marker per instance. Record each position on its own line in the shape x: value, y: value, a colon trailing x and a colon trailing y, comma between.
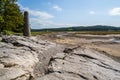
x: 115, y: 40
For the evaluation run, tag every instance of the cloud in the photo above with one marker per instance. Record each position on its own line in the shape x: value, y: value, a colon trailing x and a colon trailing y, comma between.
x: 92, y: 12
x: 42, y: 15
x: 40, y: 19
x: 38, y: 23
x: 115, y: 11
x: 57, y: 8
x: 37, y: 13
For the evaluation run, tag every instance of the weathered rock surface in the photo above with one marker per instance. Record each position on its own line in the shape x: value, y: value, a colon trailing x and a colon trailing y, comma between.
x: 23, y: 58
x: 82, y: 64
x: 20, y: 58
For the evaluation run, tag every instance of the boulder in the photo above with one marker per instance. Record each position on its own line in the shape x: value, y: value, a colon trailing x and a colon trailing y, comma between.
x: 21, y: 57
x: 83, y: 64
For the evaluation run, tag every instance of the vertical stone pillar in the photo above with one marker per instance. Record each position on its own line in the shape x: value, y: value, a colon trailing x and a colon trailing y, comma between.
x: 26, y: 30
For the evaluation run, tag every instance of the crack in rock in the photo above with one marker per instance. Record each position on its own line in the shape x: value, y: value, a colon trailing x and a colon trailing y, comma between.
x: 69, y: 50
x: 84, y: 55
x: 85, y: 78
x: 106, y: 67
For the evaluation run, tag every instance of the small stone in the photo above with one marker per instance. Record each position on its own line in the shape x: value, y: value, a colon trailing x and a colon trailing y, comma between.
x: 1, y: 66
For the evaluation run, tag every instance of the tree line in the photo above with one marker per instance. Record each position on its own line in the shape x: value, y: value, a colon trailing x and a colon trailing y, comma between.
x: 11, y: 17
x: 82, y: 28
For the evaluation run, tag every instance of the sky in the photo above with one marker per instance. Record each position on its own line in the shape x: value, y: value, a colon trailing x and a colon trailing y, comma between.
x: 66, y: 13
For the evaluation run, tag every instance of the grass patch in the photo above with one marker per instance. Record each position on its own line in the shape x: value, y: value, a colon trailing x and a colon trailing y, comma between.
x: 35, y: 33
x: 77, y: 32
x: 40, y: 33
x: 97, y: 32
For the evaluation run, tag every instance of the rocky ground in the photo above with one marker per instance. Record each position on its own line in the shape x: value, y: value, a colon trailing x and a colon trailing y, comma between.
x: 82, y: 64
x: 23, y: 58
x: 61, y: 56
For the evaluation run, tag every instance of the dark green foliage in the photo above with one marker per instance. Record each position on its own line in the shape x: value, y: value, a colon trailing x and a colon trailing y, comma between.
x: 6, y: 32
x: 11, y: 18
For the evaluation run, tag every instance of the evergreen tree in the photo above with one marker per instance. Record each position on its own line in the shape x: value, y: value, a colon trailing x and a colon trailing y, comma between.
x: 11, y: 18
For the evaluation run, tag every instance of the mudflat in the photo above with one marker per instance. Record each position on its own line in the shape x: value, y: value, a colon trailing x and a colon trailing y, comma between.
x: 107, y: 43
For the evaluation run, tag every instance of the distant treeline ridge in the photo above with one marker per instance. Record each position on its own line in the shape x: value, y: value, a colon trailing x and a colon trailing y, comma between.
x: 82, y: 28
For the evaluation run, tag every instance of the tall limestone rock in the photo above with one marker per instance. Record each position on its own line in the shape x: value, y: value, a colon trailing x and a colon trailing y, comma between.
x: 26, y: 30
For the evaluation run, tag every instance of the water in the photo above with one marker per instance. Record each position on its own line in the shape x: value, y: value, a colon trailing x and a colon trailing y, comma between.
x: 115, y: 40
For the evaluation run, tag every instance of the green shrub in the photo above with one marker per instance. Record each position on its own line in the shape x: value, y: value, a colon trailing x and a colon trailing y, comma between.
x: 6, y: 32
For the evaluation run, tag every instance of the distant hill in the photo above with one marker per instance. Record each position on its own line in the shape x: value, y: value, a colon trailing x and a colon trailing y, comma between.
x: 82, y: 28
